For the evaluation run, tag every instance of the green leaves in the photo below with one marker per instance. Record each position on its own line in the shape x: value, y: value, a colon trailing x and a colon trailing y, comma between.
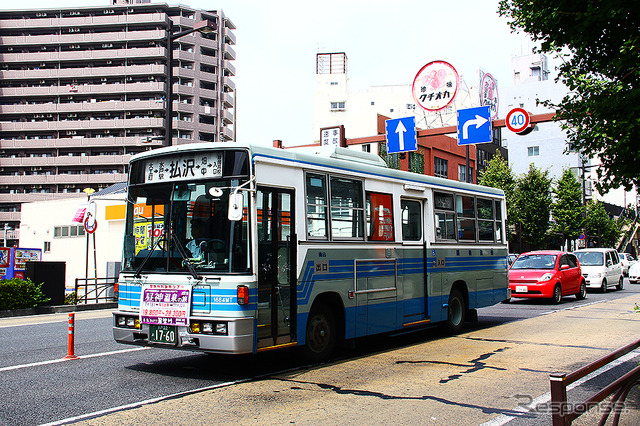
x: 602, y: 70
x: 20, y: 294
x: 567, y: 209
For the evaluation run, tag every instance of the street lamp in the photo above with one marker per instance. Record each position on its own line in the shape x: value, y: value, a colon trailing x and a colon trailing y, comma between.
x: 204, y: 27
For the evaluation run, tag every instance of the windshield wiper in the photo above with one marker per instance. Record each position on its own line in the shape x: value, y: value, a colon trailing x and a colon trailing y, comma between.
x: 185, y: 258
x: 144, y: 261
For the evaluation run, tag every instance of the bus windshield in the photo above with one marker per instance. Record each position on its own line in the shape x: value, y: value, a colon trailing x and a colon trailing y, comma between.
x: 184, y: 227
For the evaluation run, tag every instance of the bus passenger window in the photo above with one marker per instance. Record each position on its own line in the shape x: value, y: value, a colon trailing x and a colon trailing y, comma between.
x: 465, y: 207
x: 485, y: 220
x: 316, y: 206
x: 347, y: 210
x: 379, y: 217
x: 411, y: 220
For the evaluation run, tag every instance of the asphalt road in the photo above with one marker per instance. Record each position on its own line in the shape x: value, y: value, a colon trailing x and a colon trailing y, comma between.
x: 40, y: 388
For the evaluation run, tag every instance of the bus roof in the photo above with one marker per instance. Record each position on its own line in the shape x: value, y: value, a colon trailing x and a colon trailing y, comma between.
x: 341, y: 159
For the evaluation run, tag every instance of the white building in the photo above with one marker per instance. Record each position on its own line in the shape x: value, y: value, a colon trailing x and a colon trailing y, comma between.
x: 335, y: 104
x: 49, y: 225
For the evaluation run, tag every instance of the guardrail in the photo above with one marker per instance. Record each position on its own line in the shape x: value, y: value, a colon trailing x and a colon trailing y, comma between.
x: 562, y: 416
x: 96, y: 290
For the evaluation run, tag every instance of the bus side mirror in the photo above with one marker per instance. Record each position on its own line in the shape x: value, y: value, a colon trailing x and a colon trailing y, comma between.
x: 236, y: 201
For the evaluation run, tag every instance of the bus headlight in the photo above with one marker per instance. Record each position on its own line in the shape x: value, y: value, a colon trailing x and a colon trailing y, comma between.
x: 221, y: 328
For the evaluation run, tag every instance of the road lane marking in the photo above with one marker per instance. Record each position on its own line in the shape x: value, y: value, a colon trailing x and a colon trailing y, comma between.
x: 54, y: 361
x: 145, y: 402
x: 546, y: 397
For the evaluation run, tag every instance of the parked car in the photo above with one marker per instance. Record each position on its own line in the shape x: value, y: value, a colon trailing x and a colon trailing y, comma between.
x: 547, y: 274
x: 601, y: 268
x: 627, y: 260
x: 634, y: 273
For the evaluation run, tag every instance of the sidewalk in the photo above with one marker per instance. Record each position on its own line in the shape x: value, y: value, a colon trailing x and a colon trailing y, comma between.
x: 56, y: 309
x: 476, y: 377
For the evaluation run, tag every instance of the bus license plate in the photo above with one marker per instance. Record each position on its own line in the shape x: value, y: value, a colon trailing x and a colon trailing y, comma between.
x: 167, y: 334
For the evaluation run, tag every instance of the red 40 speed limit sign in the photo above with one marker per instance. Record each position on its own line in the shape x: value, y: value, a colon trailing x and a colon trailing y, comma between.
x: 518, y: 121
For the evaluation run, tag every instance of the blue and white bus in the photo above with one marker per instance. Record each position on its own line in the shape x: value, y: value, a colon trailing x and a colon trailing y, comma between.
x: 233, y: 248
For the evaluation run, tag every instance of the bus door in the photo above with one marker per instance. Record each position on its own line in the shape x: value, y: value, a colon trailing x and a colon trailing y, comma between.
x: 276, y: 266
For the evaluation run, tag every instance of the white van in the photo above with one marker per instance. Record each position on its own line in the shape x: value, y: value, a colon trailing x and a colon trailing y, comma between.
x: 601, y: 268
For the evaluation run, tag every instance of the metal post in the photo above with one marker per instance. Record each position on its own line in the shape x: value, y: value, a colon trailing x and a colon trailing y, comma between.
x: 70, y: 351
x: 169, y: 87
x: 558, y: 400
x: 469, y: 178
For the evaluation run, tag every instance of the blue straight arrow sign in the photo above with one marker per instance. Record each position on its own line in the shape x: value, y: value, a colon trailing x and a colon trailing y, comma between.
x: 401, y: 135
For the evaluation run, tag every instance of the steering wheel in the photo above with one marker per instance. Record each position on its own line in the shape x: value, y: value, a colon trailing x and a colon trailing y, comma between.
x: 212, y: 245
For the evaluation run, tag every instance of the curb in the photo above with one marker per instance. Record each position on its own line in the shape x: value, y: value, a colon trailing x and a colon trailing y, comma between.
x: 56, y: 309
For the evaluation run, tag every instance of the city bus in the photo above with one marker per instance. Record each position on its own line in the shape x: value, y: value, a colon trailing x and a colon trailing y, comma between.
x: 234, y: 248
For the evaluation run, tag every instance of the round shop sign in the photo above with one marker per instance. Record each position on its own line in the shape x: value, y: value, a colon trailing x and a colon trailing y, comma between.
x: 518, y: 120
x: 489, y: 94
x: 435, y: 86
x: 90, y: 224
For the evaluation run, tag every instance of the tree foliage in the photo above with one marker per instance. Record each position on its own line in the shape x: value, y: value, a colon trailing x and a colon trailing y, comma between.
x: 567, y: 208
x: 599, y: 41
x: 533, y: 202
x: 601, y: 227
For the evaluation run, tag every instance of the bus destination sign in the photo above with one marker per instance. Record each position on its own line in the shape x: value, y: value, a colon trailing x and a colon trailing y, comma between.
x: 183, y: 167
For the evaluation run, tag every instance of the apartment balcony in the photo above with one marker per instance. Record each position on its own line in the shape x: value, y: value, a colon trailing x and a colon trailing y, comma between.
x: 132, y: 123
x: 84, y: 55
x: 227, y: 116
x: 183, y: 55
x: 131, y: 70
x: 84, y: 179
x: 63, y: 160
x: 9, y: 234
x: 75, y: 107
x: 229, y: 68
x: 38, y: 196
x: 109, y: 37
x: 228, y: 100
x: 229, y: 36
x: 9, y: 217
x: 228, y: 84
x: 181, y: 89
x: 83, y: 89
x: 76, y: 142
x: 83, y: 21
x: 228, y: 134
x: 229, y: 53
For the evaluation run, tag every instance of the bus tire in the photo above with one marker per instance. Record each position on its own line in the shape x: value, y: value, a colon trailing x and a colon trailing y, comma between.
x: 321, y: 333
x: 456, y: 312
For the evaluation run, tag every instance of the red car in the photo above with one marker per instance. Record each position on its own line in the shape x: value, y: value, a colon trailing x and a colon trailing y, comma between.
x: 547, y: 274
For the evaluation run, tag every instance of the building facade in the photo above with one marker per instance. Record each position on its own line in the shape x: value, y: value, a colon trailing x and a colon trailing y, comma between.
x: 362, y: 114
x: 82, y: 89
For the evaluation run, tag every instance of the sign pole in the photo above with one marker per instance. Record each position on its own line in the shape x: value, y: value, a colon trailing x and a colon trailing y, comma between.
x: 469, y: 180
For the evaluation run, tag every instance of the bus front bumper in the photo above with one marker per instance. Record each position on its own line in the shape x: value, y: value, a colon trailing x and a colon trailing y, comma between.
x: 237, y: 340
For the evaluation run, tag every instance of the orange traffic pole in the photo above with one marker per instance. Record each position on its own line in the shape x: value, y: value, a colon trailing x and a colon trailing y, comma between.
x: 72, y: 321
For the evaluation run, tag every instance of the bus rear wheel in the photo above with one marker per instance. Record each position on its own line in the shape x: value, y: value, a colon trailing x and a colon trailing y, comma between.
x: 456, y: 312
x: 321, y: 333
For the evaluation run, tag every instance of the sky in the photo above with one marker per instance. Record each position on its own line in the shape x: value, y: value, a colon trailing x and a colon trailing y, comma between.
x: 386, y: 43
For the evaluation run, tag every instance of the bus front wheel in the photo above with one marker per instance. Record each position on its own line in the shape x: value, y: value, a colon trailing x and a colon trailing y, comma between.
x: 321, y: 333
x: 456, y: 312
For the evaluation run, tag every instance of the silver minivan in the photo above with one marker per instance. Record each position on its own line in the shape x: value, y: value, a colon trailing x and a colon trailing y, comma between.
x: 601, y: 268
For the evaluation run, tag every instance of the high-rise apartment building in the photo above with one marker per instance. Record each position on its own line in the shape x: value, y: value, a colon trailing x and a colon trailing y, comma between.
x: 82, y: 89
